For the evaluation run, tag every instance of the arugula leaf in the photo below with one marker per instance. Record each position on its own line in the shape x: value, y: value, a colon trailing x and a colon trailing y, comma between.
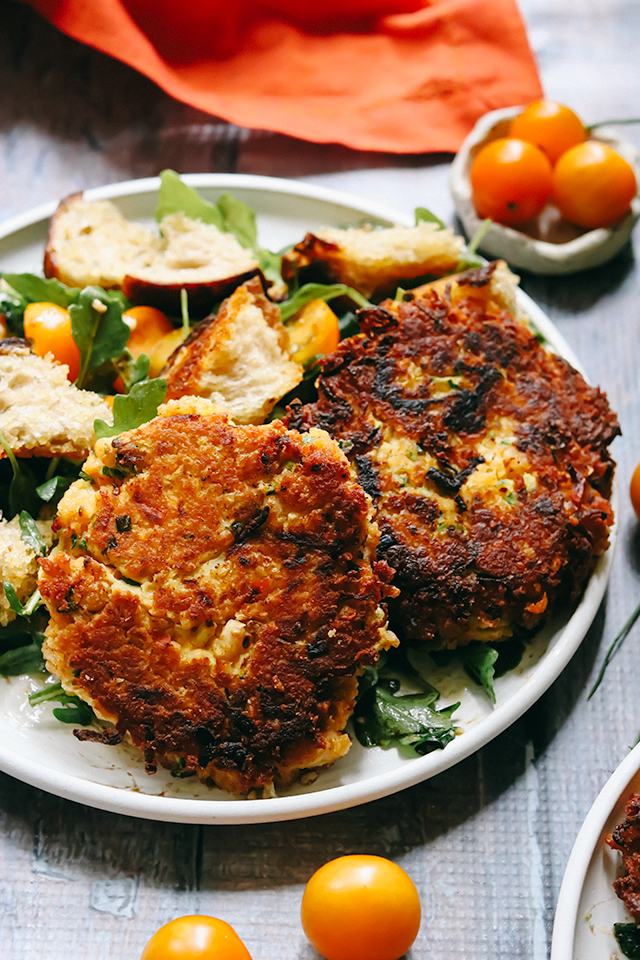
x: 31, y: 535
x: 628, y: 937
x: 175, y: 196
x: 132, y: 371
x: 478, y: 660
x: 98, y: 329
x: 469, y: 258
x: 12, y: 307
x: 319, y: 291
x: 422, y: 213
x: 74, y: 710
x: 411, y: 718
x: 238, y: 219
x: 25, y: 659
x: 36, y: 289
x: 22, y: 489
x: 32, y: 604
x: 270, y: 264
x: 51, y: 490
x: 139, y: 406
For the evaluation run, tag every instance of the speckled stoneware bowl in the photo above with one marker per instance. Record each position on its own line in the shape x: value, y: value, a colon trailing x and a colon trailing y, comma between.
x: 553, y: 245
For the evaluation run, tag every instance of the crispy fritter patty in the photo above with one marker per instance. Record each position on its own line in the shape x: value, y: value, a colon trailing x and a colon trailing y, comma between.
x: 213, y: 594
x: 626, y: 837
x: 485, y: 455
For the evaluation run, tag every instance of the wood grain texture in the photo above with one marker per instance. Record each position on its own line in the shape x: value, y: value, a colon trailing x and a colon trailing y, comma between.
x: 487, y: 841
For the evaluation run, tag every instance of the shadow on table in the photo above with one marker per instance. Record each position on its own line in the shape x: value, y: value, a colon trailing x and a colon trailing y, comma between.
x: 80, y: 841
x: 577, y: 292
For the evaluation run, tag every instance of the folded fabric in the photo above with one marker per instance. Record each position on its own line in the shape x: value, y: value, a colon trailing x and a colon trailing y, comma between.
x: 371, y: 78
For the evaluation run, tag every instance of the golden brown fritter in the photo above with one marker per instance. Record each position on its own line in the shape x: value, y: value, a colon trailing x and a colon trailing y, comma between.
x: 485, y: 455
x: 213, y: 594
x: 626, y: 838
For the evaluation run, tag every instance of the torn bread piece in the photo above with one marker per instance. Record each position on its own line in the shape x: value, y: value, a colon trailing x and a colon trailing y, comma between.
x: 373, y: 261
x: 41, y: 413
x: 18, y: 563
x: 237, y: 359
x: 90, y: 242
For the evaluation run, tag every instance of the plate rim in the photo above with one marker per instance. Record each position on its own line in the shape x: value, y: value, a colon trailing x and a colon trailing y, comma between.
x: 584, y: 847
x: 190, y: 810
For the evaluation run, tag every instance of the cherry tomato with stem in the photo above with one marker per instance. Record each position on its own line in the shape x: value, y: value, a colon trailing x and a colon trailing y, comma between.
x: 48, y: 327
x: 195, y: 938
x: 510, y: 181
x: 361, y: 908
x: 593, y: 185
x: 550, y: 126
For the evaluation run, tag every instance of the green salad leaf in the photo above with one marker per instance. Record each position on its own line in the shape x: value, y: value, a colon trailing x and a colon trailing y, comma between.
x: 22, y: 489
x: 628, y: 937
x: 139, y: 406
x: 35, y: 289
x: 422, y: 214
x: 175, y: 196
x: 319, y: 291
x: 31, y: 535
x: 98, y: 328
x: 23, y: 659
x: 483, y: 662
x: 74, y: 710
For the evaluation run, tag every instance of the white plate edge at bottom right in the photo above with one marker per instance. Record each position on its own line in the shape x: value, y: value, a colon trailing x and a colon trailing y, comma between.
x: 587, y: 905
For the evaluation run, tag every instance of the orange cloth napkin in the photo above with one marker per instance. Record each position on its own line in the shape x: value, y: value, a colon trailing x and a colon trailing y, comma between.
x: 408, y: 82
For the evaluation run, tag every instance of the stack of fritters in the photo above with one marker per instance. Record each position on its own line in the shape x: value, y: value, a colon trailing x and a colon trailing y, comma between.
x: 485, y: 455
x: 215, y: 593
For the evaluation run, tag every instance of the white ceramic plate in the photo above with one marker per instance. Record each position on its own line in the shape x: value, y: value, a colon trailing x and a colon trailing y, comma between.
x: 588, y: 906
x: 36, y: 748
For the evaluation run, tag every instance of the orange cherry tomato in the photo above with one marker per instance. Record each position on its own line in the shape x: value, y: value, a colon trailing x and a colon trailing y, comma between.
x: 315, y: 331
x: 163, y: 350
x: 4, y: 329
x: 195, y: 938
x: 593, y: 185
x: 634, y: 491
x: 550, y: 126
x: 147, y: 325
x: 361, y: 908
x: 48, y: 327
x: 510, y: 181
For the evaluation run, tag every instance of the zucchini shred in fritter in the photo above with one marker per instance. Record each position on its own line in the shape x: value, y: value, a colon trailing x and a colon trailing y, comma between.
x: 485, y: 455
x: 214, y: 595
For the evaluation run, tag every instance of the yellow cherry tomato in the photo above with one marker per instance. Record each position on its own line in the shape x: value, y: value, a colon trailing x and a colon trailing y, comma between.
x: 48, y: 327
x: 147, y: 325
x: 315, y: 331
x: 510, y: 181
x: 593, y: 185
x: 163, y: 350
x: 195, y: 938
x: 361, y: 908
x: 550, y: 126
x: 635, y: 491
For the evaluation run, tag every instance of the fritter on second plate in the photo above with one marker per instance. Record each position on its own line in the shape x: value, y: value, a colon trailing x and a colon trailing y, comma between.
x: 485, y: 455
x: 213, y: 594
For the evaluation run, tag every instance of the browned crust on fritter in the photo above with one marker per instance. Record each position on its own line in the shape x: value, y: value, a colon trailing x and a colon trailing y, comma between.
x: 249, y: 526
x: 626, y: 838
x: 471, y: 563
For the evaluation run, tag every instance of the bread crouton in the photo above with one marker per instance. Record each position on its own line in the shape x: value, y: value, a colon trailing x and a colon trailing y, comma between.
x: 18, y: 563
x: 41, y: 413
x: 494, y: 283
x: 92, y: 243
x: 372, y: 261
x: 238, y: 360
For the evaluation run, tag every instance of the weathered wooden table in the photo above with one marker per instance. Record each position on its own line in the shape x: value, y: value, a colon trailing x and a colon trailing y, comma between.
x: 487, y: 841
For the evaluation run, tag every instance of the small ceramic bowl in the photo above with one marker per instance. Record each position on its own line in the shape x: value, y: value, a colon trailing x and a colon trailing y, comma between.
x: 551, y: 245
